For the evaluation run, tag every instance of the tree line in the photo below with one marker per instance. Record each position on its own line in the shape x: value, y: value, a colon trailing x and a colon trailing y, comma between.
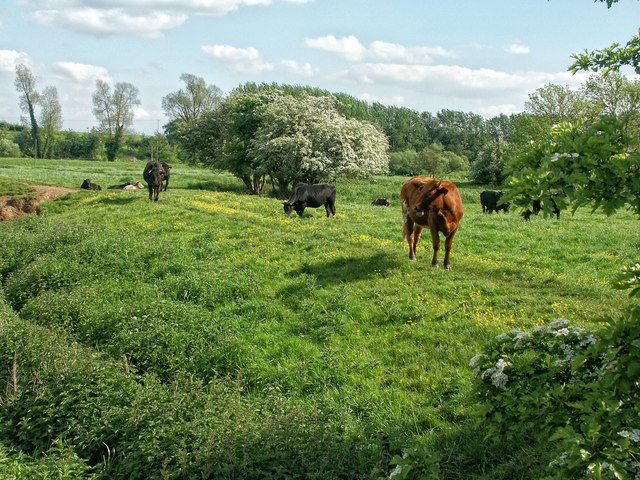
x: 284, y: 134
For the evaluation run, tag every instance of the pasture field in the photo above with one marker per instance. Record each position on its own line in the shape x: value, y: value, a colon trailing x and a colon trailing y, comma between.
x: 207, y: 335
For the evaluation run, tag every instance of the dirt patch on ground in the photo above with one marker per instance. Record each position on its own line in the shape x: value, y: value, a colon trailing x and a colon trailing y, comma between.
x: 11, y: 208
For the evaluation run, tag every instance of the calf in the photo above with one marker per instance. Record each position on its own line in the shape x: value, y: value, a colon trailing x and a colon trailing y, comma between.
x: 312, y: 196
x: 490, y: 201
x: 88, y: 185
x: 153, y: 174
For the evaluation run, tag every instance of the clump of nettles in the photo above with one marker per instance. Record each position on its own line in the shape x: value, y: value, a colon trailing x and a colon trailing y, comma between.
x: 572, y: 393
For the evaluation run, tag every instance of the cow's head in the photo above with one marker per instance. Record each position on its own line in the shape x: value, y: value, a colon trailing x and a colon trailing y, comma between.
x: 429, y: 192
x: 288, y: 208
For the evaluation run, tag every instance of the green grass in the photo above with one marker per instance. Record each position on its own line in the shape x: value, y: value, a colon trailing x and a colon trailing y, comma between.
x: 325, y: 318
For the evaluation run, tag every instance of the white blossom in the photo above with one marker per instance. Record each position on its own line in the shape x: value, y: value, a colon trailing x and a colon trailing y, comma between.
x: 633, y: 435
x: 396, y: 471
x: 498, y: 377
x: 559, y: 323
x: 474, y: 361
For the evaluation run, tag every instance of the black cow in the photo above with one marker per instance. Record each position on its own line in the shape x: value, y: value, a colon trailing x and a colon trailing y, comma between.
x: 537, y: 206
x: 312, y: 196
x: 153, y: 174
x: 167, y: 174
x: 385, y: 202
x: 489, y: 200
x: 88, y: 185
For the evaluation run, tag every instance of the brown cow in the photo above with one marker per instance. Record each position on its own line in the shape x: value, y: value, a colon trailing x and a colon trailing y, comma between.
x: 436, y: 204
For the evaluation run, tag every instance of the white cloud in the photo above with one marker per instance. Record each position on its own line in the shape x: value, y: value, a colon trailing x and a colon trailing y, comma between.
x: 456, y: 80
x: 140, y: 113
x: 394, y: 52
x: 385, y: 100
x: 490, y: 111
x: 305, y: 70
x: 80, y: 73
x: 349, y: 47
x: 101, y: 23
x: 242, y: 60
x: 145, y: 18
x: 518, y: 48
x: 250, y: 60
x: 10, y: 58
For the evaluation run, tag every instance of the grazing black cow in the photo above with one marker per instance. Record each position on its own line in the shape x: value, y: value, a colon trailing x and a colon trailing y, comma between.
x: 153, y: 174
x: 88, y: 185
x: 489, y: 200
x: 385, y: 202
x: 526, y: 215
x: 312, y: 196
x: 537, y: 206
x: 167, y: 174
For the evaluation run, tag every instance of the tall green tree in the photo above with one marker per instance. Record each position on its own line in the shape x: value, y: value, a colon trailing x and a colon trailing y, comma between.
x: 50, y: 119
x: 25, y: 83
x: 556, y: 103
x: 193, y: 101
x: 306, y: 139
x: 463, y: 133
x: 114, y: 112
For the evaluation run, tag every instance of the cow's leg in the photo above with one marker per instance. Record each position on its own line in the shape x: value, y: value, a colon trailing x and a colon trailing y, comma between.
x: 332, y: 207
x: 150, y: 192
x: 448, y: 245
x: 417, y: 233
x: 435, y: 240
x: 407, y: 233
x: 327, y: 208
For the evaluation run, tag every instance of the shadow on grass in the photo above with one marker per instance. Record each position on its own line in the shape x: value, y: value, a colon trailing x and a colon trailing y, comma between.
x: 344, y: 269
x: 214, y: 186
x: 118, y: 200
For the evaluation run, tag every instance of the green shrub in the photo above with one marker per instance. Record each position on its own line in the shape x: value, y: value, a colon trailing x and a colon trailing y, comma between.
x: 59, y: 463
x: 573, y: 394
x: 9, y: 149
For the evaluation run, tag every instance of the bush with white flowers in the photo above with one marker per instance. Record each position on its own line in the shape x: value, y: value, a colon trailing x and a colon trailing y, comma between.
x: 571, y: 394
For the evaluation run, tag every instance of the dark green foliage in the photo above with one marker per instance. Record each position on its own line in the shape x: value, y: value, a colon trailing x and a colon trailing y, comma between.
x: 570, y: 394
x: 489, y: 166
x: 596, y: 164
x: 72, y: 144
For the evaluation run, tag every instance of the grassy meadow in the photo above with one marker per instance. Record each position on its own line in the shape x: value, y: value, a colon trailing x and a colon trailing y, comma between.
x: 208, y: 335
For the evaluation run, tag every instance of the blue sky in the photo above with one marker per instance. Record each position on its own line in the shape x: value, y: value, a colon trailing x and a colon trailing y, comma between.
x: 482, y: 56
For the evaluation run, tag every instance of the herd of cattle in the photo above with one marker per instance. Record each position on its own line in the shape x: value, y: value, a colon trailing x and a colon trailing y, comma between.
x: 426, y: 203
x: 154, y: 173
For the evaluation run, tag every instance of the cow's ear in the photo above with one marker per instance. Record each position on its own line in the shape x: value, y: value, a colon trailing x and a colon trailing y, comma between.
x: 443, y: 191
